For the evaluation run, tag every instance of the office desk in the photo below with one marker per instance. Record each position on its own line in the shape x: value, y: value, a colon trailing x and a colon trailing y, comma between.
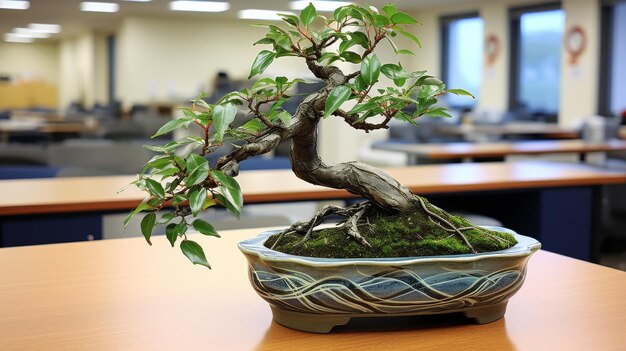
x: 551, y: 130
x: 542, y: 199
x: 500, y: 149
x: 8, y: 127
x: 125, y: 295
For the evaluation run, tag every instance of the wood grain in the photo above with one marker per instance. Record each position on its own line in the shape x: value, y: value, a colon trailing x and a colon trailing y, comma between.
x: 32, y: 196
x: 125, y: 295
x: 547, y: 129
x: 502, y: 149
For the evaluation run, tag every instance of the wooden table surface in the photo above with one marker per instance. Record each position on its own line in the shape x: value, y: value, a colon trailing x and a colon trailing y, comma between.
x: 513, y: 128
x: 125, y: 295
x: 501, y: 149
x: 54, y: 195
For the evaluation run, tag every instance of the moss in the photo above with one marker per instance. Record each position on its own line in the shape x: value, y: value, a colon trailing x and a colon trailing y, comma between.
x: 399, y: 235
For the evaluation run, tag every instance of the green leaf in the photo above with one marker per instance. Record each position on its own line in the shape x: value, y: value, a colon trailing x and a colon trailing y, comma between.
x: 171, y: 125
x: 265, y: 40
x: 360, y: 38
x: 230, y: 190
x: 350, y: 56
x: 393, y: 71
x: 370, y: 69
x: 197, y: 176
x: 381, y: 20
x: 337, y: 96
x: 358, y: 108
x: 281, y: 40
x: 284, y: 117
x: 171, y: 234
x: 405, y: 52
x: 402, y: 18
x: 204, y: 227
x: 340, y: 13
x: 345, y: 45
x: 327, y: 55
x: 158, y: 161
x: 359, y: 84
x: 155, y: 188
x: 438, y: 112
x: 410, y: 36
x: 389, y: 10
x: 308, y: 15
x: 229, y: 206
x: 189, y: 113
x: 223, y: 116
x: 262, y: 60
x: 178, y: 199
x: 460, y: 92
x: 142, y: 206
x: 165, y: 218
x: 195, y: 161
x: 263, y: 83
x: 253, y: 125
x: 194, y: 253
x: 290, y: 19
x: 403, y: 116
x: 147, y: 224
x: 196, y: 200
x: 365, y: 12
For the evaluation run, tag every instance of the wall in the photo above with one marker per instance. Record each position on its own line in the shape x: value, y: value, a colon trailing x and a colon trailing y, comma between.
x: 174, y: 59
x: 578, y: 89
x: 30, y: 61
x: 83, y: 70
x: 579, y: 82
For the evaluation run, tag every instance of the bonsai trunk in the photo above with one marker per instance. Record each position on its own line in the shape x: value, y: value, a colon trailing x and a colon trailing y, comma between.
x: 357, y: 178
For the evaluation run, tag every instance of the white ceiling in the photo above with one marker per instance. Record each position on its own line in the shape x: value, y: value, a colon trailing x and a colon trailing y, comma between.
x: 67, y: 13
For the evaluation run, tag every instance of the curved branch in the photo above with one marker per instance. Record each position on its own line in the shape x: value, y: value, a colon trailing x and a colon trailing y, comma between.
x: 352, y: 120
x: 229, y: 164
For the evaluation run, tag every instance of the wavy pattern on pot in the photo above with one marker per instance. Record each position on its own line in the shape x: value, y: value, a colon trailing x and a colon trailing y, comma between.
x: 392, y: 290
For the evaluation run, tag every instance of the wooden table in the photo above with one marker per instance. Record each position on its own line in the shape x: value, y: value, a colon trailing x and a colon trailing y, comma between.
x: 125, y: 295
x: 534, y: 198
x: 500, y: 149
x: 58, y: 195
x: 551, y: 130
x: 9, y: 127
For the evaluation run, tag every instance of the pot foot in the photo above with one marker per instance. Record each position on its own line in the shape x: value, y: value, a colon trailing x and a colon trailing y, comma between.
x: 487, y: 314
x: 312, y: 323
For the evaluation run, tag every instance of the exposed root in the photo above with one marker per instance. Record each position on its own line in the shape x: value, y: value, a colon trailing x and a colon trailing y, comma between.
x: 357, y: 217
x: 494, y: 237
x: 352, y: 214
x: 351, y: 226
x: 449, y: 225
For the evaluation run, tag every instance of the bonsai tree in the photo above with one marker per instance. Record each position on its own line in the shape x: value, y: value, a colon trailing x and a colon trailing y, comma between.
x: 391, y: 215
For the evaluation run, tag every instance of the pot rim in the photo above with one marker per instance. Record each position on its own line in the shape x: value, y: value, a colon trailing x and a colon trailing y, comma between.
x: 254, y: 246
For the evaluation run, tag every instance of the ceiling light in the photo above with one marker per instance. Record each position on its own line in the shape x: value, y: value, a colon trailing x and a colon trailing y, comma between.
x: 28, y: 33
x: 255, y: 14
x: 139, y: 0
x: 44, y: 28
x: 13, y: 38
x: 90, y: 6
x: 14, y: 4
x: 199, y: 6
x: 320, y: 5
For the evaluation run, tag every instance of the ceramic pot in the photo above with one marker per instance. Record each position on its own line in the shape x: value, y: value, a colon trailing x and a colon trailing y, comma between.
x: 315, y: 294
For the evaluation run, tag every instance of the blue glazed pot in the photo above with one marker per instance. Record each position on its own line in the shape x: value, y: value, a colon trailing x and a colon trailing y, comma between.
x: 316, y: 294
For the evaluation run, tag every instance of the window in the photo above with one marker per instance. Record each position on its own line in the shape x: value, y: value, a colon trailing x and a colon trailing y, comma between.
x: 536, y: 41
x: 462, y: 56
x: 612, y: 68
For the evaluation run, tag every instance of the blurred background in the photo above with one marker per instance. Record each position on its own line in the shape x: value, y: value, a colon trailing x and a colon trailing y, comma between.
x: 83, y: 85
